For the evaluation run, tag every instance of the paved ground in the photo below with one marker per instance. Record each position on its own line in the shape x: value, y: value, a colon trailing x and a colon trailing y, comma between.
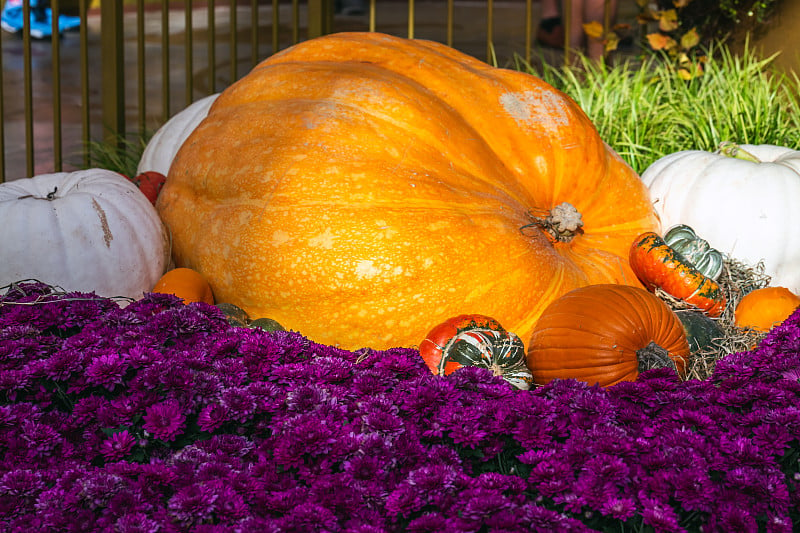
x: 469, y: 34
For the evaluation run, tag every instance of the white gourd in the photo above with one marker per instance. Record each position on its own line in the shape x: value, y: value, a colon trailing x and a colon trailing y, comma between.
x: 90, y: 231
x: 165, y: 143
x: 742, y: 199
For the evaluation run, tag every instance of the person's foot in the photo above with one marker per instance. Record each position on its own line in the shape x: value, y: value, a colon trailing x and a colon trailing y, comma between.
x: 41, y: 24
x: 11, y: 19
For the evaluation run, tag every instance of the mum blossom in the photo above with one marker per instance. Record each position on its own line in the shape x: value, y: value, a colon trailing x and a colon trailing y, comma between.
x: 117, y: 446
x: 164, y: 420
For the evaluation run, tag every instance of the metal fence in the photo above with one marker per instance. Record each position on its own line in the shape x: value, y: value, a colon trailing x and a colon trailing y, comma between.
x: 132, y: 65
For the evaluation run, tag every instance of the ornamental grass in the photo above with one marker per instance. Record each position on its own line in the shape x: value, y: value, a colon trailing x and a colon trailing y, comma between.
x: 644, y: 110
x: 161, y: 416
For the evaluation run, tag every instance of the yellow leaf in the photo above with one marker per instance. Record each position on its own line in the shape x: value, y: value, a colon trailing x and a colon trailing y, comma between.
x: 684, y: 74
x: 668, y: 20
x: 593, y: 29
x: 611, y: 41
x: 680, y: 3
x: 690, y: 39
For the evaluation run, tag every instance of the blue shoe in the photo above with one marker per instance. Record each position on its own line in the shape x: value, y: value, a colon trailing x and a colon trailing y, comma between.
x: 41, y: 23
x: 67, y: 22
x: 11, y: 19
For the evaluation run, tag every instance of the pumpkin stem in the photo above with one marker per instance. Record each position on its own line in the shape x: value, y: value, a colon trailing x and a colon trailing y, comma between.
x: 731, y: 149
x: 654, y: 356
x: 52, y: 194
x: 562, y: 223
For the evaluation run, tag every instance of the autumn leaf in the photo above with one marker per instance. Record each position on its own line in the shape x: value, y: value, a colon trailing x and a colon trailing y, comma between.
x: 659, y: 41
x: 690, y: 39
x: 593, y: 29
x: 680, y: 3
x: 668, y: 20
x: 611, y: 41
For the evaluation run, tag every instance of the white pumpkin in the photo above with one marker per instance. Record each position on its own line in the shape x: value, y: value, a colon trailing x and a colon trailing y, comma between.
x: 744, y: 200
x: 167, y: 140
x: 89, y: 230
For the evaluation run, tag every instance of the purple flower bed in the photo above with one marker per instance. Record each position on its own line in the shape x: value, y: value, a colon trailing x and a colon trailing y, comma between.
x: 161, y: 417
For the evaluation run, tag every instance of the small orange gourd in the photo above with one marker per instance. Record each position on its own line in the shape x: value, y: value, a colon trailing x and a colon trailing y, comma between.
x: 763, y: 309
x: 187, y: 284
x: 605, y: 334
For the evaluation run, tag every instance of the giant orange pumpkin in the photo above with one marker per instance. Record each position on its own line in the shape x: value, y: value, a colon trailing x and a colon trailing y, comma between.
x: 359, y: 187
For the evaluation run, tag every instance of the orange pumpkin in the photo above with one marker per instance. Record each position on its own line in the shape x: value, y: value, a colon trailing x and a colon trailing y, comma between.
x: 187, y: 284
x: 763, y: 309
x: 606, y: 334
x: 358, y: 187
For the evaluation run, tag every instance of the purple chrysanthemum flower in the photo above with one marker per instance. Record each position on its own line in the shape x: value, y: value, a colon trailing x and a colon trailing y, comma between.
x: 734, y: 518
x: 42, y: 440
x: 386, y: 424
x: 136, y: 523
x: 308, y: 517
x: 62, y: 364
x: 432, y: 477
x: 618, y: 508
x: 239, y: 404
x: 164, y: 420
x: 211, y: 417
x: 107, y: 370
x: 428, y: 523
x: 24, y: 483
x: 659, y: 515
x: 192, y: 504
x: 117, y: 445
x: 403, y: 502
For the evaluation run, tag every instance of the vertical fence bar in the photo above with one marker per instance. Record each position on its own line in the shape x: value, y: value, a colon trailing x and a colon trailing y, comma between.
x: 320, y: 17
x: 165, y: 85
x: 55, y: 50
x: 528, y: 30
x: 372, y: 12
x: 567, y: 30
x: 113, y: 63
x: 212, y: 47
x: 189, y: 51
x: 141, y: 88
x: 2, y: 120
x: 296, y: 21
x: 234, y: 55
x: 276, y: 26
x: 254, y: 32
x: 411, y: 19
x: 28, y: 87
x: 84, y: 60
x: 490, y: 32
x: 606, y: 22
x: 450, y: 22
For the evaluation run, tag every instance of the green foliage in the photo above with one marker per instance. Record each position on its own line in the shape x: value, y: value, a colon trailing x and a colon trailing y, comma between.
x: 644, y: 109
x: 121, y: 156
x: 678, y: 27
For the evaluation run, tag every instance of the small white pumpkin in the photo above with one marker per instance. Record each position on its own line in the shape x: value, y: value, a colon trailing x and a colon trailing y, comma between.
x: 167, y: 140
x: 742, y: 199
x: 89, y: 230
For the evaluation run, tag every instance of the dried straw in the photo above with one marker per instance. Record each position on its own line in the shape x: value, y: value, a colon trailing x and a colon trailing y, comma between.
x: 737, y: 280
